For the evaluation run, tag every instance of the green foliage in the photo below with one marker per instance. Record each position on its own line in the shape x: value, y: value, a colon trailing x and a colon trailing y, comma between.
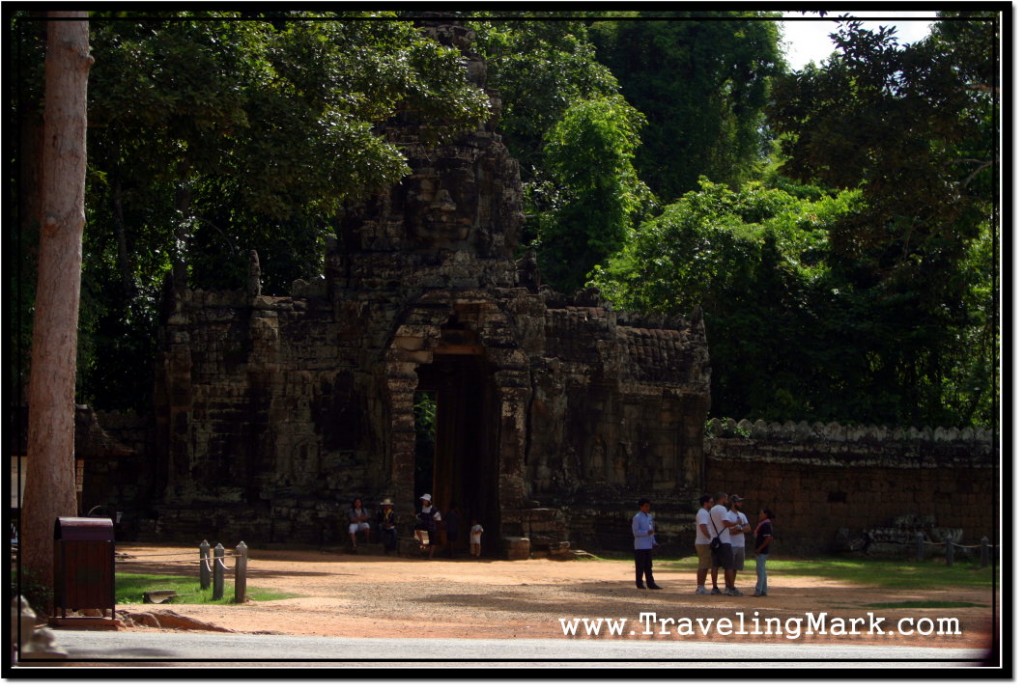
x: 539, y: 68
x: 751, y: 260
x: 597, y: 195
x: 703, y: 80
x: 425, y: 409
x: 858, y: 283
x: 912, y: 129
x: 211, y: 136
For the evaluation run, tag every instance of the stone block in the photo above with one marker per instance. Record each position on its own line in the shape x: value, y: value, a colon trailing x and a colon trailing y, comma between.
x: 517, y: 548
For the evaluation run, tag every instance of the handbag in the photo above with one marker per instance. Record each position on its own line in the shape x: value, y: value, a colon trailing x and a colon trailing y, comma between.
x: 716, y: 542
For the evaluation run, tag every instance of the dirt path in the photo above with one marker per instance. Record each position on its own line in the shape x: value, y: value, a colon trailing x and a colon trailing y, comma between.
x: 338, y: 594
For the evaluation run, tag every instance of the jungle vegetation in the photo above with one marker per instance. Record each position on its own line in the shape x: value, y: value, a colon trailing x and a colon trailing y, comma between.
x: 837, y: 223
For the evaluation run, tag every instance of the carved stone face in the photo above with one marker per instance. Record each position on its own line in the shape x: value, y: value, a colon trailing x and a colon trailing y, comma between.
x: 443, y: 200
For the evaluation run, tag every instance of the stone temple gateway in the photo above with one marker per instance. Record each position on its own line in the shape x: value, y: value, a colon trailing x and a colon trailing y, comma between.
x: 553, y: 414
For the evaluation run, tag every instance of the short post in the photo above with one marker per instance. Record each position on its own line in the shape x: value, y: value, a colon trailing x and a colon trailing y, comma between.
x: 919, y: 542
x: 949, y: 550
x: 241, y: 563
x: 218, y: 572
x: 983, y: 557
x: 204, y: 565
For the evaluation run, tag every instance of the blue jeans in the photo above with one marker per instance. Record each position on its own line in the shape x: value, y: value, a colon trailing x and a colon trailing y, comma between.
x: 762, y: 575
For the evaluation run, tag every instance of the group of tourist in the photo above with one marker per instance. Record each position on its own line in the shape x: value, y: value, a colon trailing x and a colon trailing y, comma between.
x: 428, y: 519
x: 722, y: 530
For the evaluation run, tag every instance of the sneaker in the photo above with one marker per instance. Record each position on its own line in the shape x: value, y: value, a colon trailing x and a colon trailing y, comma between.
x: 701, y: 590
x: 716, y: 591
x: 654, y: 586
x: 733, y: 592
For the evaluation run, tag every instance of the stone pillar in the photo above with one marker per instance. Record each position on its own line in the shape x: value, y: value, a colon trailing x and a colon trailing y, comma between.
x: 177, y: 372
x: 401, y: 430
x: 511, y: 445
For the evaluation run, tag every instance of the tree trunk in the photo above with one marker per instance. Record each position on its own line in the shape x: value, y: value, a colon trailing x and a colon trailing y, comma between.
x: 50, y: 475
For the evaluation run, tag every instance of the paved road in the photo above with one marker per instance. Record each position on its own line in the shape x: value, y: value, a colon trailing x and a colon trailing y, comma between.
x: 198, y: 649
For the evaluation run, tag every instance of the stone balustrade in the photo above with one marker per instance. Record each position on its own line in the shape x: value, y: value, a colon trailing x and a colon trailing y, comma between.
x: 728, y: 428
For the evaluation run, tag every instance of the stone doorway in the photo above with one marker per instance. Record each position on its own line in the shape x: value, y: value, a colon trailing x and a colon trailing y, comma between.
x: 481, y: 394
x: 463, y: 467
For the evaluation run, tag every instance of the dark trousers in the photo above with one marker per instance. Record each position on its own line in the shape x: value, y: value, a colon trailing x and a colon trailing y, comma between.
x: 644, y: 566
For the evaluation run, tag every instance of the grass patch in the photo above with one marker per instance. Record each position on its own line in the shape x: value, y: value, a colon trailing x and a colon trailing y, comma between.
x: 923, y: 604
x: 130, y: 587
x: 882, y: 573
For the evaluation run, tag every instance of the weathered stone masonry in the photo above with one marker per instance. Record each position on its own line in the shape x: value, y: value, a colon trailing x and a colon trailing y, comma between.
x: 272, y: 412
x: 830, y: 484
x: 553, y: 414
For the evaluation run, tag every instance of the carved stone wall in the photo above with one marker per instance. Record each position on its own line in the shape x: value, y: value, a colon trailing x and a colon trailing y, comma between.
x: 828, y: 483
x: 273, y: 412
x: 554, y: 414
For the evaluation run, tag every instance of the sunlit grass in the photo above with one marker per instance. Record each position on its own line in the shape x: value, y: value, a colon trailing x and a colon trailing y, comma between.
x: 882, y: 573
x: 130, y: 588
x: 923, y: 604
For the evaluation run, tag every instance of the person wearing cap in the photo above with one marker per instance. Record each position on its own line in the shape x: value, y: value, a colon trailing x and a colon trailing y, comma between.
x: 427, y: 519
x: 387, y: 523
x: 702, y: 543
x: 738, y: 532
x: 643, y: 546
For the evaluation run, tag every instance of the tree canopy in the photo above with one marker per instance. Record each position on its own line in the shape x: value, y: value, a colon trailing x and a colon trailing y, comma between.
x: 839, y: 224
x: 703, y: 80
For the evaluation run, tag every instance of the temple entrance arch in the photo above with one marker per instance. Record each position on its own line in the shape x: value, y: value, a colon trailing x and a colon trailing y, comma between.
x: 476, y: 456
x: 460, y: 470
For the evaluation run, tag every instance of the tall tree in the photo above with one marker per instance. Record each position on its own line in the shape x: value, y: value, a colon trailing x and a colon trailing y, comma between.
x: 750, y: 259
x: 597, y: 196
x: 50, y: 476
x: 912, y: 128
x: 540, y: 66
x: 210, y: 136
x: 702, y: 79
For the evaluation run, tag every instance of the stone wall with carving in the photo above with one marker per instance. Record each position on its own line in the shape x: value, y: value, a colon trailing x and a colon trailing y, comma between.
x: 832, y: 486
x: 273, y: 412
x: 555, y: 413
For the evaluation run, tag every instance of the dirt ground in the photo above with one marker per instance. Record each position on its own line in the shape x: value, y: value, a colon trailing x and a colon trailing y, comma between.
x: 370, y: 595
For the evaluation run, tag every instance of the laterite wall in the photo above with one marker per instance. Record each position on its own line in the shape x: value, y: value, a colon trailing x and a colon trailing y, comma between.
x: 827, y: 484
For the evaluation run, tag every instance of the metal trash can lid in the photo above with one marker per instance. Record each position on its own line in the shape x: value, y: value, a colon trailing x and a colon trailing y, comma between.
x: 71, y: 528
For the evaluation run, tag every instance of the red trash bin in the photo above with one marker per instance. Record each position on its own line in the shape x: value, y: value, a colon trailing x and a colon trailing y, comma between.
x: 83, y: 564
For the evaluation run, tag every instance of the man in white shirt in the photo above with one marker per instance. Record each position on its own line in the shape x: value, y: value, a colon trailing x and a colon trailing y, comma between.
x: 738, y: 532
x: 702, y: 543
x: 722, y: 557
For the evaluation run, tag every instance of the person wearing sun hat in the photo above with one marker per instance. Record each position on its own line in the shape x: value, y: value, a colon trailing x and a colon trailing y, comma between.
x: 387, y: 523
x: 426, y: 525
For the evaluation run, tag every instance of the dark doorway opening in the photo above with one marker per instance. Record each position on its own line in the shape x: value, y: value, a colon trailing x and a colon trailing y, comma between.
x: 425, y: 408
x: 463, y: 468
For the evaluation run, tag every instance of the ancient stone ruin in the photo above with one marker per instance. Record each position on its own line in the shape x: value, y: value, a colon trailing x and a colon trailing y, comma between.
x: 552, y: 414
